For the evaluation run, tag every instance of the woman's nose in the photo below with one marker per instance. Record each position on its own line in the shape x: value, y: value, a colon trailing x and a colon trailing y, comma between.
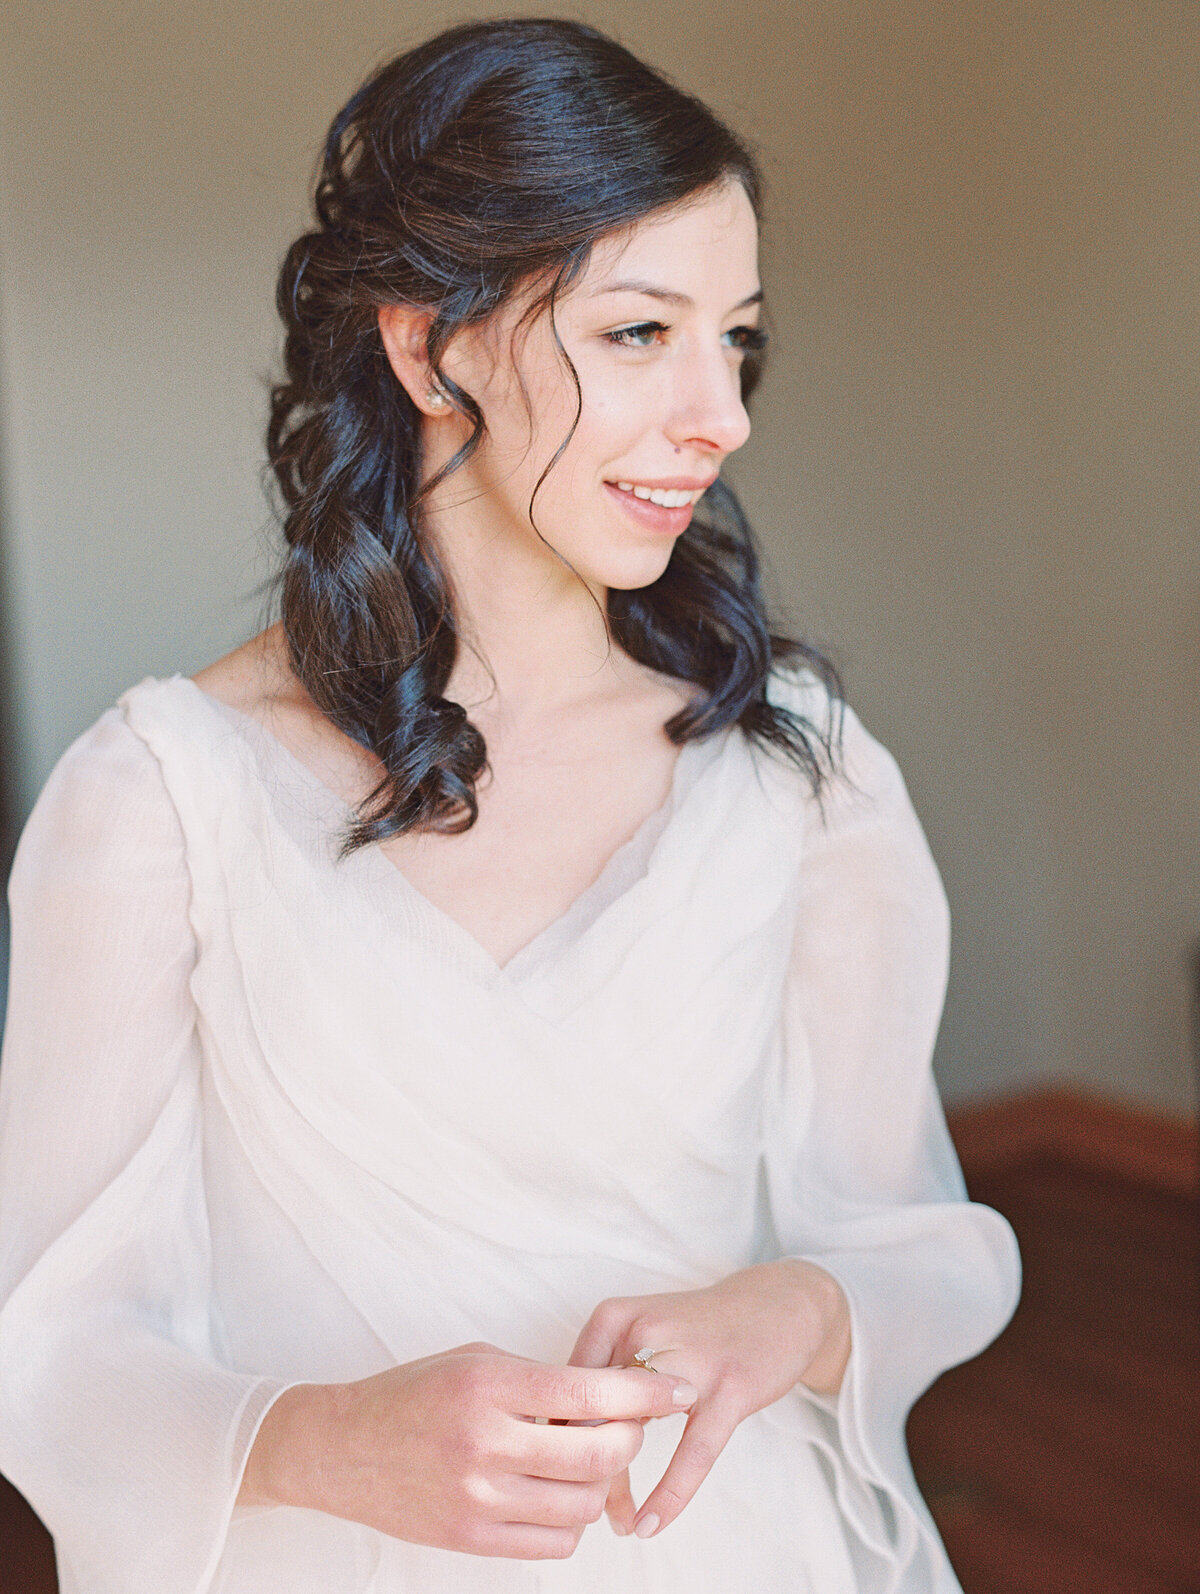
x: 708, y: 411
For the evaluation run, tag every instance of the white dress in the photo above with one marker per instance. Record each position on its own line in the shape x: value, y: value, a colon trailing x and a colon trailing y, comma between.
x: 267, y: 1118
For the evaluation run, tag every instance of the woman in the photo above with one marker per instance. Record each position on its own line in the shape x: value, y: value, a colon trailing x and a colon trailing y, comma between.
x: 468, y: 1059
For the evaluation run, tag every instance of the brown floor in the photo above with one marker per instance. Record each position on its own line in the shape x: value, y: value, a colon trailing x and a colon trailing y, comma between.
x: 1066, y: 1458
x: 26, y: 1551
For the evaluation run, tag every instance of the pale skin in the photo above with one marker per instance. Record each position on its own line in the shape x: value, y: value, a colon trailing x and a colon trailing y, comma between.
x: 443, y: 1450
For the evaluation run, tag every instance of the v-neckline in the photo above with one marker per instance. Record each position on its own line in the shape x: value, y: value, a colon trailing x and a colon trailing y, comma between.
x: 526, y: 956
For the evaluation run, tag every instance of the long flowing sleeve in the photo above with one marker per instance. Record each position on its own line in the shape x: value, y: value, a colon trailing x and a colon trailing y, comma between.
x: 861, y: 1172
x: 119, y: 1419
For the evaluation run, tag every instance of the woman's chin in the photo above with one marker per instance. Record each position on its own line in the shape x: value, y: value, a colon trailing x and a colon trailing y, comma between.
x: 634, y: 567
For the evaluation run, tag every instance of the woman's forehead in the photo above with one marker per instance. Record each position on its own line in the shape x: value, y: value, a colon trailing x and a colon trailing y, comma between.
x: 703, y: 250
x: 708, y: 241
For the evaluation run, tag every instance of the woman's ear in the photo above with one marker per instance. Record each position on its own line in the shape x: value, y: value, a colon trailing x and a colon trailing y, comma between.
x: 404, y: 329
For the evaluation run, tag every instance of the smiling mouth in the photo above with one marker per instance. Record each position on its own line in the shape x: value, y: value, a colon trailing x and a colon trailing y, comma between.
x: 661, y: 511
x: 665, y: 497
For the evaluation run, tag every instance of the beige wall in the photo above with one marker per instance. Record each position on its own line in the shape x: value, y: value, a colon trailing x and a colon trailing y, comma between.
x: 973, y: 464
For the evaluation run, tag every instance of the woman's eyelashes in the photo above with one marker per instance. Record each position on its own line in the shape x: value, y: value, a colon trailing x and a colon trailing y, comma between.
x: 631, y: 337
x: 640, y: 336
x: 750, y: 338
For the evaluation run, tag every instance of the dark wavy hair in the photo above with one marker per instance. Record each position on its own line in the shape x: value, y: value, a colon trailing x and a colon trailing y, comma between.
x: 488, y: 159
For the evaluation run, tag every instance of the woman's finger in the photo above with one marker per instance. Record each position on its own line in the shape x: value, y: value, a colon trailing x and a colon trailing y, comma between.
x: 619, y: 1505
x: 527, y: 1541
x: 550, y: 1503
x: 705, y: 1435
x: 598, y: 1339
x: 583, y: 1454
x: 541, y: 1390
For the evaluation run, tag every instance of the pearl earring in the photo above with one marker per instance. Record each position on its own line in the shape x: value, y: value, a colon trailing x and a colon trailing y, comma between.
x: 436, y: 398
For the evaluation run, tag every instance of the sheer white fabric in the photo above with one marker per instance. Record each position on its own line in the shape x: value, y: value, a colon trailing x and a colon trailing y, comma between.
x: 269, y: 1118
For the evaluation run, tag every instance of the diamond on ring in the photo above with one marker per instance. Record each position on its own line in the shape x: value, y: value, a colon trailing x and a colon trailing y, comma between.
x: 642, y: 1358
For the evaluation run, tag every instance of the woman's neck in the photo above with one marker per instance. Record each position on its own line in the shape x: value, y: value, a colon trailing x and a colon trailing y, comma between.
x: 532, y: 634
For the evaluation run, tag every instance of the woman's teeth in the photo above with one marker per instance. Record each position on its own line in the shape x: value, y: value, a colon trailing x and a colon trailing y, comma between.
x: 668, y: 497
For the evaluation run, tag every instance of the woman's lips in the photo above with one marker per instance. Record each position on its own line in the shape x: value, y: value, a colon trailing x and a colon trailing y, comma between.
x: 655, y: 517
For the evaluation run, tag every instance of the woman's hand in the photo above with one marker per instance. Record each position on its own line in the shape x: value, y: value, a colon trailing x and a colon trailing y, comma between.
x: 743, y: 1343
x: 446, y: 1451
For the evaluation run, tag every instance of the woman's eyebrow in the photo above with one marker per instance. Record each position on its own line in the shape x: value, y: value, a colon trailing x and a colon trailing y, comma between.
x: 668, y: 294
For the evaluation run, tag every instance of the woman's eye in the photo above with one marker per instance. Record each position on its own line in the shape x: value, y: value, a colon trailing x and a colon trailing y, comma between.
x: 635, y: 337
x: 748, y: 338
x: 643, y: 335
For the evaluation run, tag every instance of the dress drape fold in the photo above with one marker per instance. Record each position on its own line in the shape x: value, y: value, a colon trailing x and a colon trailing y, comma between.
x: 269, y: 1117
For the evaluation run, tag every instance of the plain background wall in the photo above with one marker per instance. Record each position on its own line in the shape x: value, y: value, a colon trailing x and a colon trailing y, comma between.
x: 973, y: 462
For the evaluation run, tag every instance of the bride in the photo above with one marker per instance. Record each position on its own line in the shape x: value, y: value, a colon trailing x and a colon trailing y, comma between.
x: 467, y: 1072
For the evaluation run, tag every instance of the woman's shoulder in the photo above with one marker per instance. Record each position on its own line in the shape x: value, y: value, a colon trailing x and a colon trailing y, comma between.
x: 257, y: 684
x: 182, y: 718
x: 105, y: 810
x: 793, y: 684
x: 863, y: 777
x: 151, y: 777
x: 253, y: 679
x: 114, y: 777
x: 108, y: 765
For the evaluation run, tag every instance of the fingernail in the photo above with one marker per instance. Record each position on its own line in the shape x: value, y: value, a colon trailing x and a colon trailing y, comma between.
x: 683, y: 1394
x: 646, y: 1526
x: 618, y: 1528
